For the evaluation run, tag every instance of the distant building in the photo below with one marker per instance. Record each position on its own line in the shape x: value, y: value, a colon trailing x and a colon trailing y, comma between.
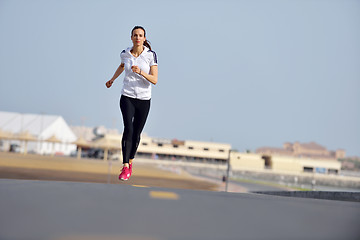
x: 310, y: 150
x: 283, y: 164
x: 91, y: 133
x: 173, y: 149
x: 292, y: 158
x: 41, y: 127
x: 185, y: 150
x: 218, y: 153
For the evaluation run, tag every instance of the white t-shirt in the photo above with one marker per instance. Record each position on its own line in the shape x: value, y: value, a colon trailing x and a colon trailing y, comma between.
x: 135, y: 85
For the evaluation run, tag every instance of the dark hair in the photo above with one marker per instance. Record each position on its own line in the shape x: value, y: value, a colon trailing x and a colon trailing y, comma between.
x: 146, y: 43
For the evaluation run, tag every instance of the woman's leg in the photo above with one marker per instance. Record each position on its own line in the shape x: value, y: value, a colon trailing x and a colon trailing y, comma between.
x: 128, y: 112
x: 141, y: 114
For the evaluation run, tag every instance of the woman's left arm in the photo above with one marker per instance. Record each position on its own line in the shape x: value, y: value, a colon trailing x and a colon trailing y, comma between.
x: 151, y: 77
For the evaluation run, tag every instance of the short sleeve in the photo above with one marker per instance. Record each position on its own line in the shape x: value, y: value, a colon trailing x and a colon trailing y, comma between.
x: 153, y: 59
x: 122, y: 56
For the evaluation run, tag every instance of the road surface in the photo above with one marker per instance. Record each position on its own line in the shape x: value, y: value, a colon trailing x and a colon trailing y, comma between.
x: 72, y: 210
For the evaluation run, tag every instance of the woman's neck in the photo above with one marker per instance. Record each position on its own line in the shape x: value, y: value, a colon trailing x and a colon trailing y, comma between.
x: 137, y: 50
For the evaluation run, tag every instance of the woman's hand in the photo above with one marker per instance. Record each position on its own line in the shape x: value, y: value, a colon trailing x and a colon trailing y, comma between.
x: 116, y: 74
x: 109, y: 83
x: 136, y: 69
x: 152, y: 77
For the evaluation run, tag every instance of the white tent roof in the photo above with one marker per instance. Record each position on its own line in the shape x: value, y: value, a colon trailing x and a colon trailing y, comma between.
x: 39, y: 125
x: 18, y: 122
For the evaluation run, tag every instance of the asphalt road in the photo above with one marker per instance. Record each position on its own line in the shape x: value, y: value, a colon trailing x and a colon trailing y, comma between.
x: 72, y: 210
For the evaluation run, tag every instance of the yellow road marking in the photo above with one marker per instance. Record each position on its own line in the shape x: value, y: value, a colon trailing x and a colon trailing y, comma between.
x: 104, y: 237
x: 164, y: 195
x: 139, y: 186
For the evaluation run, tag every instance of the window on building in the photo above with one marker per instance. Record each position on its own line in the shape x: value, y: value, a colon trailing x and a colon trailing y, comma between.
x: 145, y: 144
x: 267, y: 161
x: 308, y: 169
x: 221, y: 150
x: 175, y: 146
x: 191, y: 148
x: 206, y: 149
x: 160, y: 144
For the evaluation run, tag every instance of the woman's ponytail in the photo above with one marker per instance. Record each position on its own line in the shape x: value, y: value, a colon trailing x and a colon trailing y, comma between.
x: 147, y: 44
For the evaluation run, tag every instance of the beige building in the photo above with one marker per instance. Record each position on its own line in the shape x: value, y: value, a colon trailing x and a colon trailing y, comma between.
x: 196, y: 151
x: 218, y: 153
x: 284, y: 164
x: 246, y: 161
x: 310, y: 150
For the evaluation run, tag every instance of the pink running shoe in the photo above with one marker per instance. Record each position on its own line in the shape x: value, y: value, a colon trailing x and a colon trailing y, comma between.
x: 125, y: 174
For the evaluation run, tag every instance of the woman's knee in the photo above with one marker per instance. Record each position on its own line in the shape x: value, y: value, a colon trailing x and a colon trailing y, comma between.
x: 128, y: 133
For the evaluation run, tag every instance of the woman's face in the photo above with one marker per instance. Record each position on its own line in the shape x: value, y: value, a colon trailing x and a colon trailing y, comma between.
x: 138, y: 37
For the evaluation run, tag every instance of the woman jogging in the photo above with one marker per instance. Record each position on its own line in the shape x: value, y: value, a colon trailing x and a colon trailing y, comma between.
x: 140, y: 65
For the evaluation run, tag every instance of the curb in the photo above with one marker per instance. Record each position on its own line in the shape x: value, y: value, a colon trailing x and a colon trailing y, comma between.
x: 338, y: 196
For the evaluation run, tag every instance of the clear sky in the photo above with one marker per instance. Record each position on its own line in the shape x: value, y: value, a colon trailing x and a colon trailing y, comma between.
x: 250, y: 73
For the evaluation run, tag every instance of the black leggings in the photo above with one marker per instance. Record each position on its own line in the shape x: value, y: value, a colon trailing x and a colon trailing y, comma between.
x: 134, y: 112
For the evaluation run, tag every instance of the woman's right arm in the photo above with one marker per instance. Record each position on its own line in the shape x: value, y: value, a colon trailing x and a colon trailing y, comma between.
x: 116, y: 74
